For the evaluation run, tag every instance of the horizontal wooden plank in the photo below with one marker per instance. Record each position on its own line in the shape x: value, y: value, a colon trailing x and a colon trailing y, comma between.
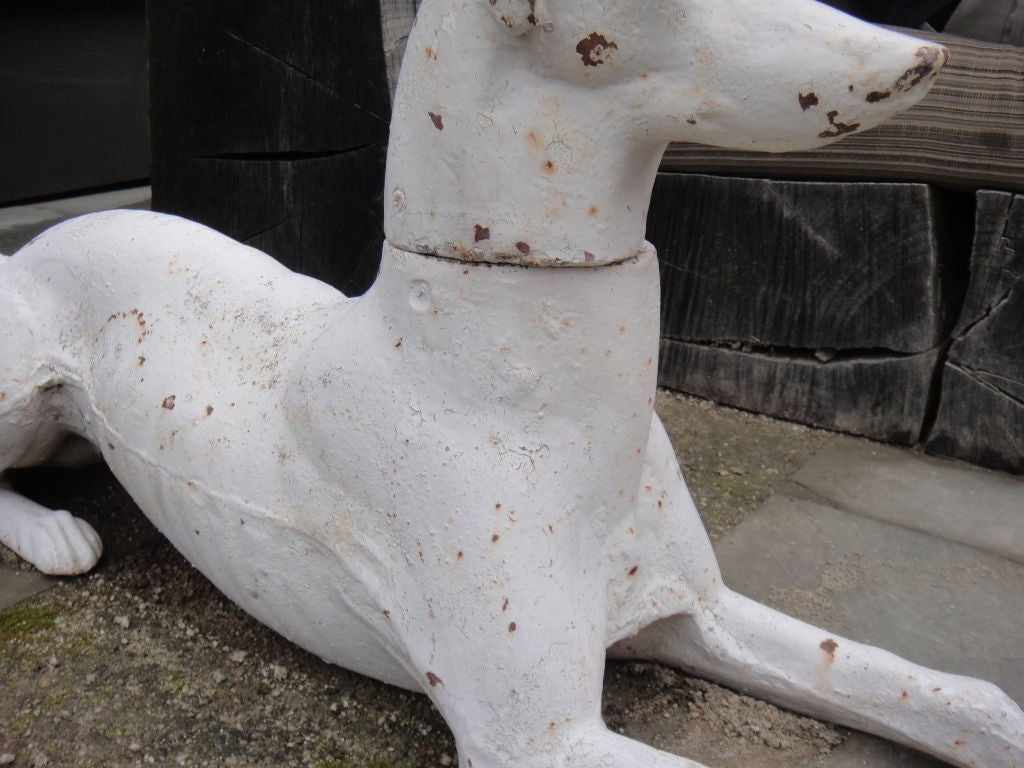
x: 885, y: 398
x: 805, y: 265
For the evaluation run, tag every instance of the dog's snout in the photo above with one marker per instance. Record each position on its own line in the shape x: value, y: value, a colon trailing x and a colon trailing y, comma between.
x: 928, y: 62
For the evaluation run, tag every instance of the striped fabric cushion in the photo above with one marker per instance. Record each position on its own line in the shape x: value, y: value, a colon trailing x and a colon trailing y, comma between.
x: 967, y: 133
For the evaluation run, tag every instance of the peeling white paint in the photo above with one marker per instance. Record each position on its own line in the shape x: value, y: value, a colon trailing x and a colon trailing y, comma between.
x: 470, y: 445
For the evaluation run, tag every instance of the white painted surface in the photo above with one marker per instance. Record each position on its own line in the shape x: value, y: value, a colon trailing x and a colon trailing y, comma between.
x: 538, y: 144
x: 456, y: 482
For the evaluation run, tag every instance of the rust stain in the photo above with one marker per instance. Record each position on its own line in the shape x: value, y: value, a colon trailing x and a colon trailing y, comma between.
x: 399, y: 342
x: 691, y: 120
x: 808, y: 100
x: 512, y: 627
x: 434, y: 680
x: 929, y: 65
x: 549, y: 166
x: 168, y: 402
x: 387, y: 613
x: 595, y: 49
x: 430, y: 53
x: 633, y: 570
x: 142, y: 360
x: 437, y: 120
x: 504, y: 605
x: 876, y: 96
x: 838, y: 128
x: 460, y: 555
x: 495, y: 538
x: 589, y: 257
x: 523, y: 248
x: 481, y: 233
x: 209, y: 410
x: 111, y: 446
x: 536, y: 142
x: 829, y: 646
x: 593, y: 210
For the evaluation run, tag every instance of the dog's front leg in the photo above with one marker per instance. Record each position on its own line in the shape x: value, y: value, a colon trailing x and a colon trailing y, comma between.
x: 54, y: 541
x: 724, y: 636
x: 527, y: 694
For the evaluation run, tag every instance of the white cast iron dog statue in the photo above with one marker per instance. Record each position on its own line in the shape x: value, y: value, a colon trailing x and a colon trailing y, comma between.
x: 456, y: 482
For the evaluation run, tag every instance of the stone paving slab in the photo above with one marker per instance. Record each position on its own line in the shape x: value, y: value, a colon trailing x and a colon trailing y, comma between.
x: 916, y: 555
x: 17, y: 585
x: 937, y: 602
x: 955, y: 501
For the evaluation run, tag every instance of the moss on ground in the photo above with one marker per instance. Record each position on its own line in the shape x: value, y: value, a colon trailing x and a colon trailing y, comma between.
x: 21, y: 620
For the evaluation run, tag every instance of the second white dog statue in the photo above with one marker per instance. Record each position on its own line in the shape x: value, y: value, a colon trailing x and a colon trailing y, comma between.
x: 456, y: 483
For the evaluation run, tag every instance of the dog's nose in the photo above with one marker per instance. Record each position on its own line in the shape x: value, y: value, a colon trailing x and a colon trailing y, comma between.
x: 929, y: 59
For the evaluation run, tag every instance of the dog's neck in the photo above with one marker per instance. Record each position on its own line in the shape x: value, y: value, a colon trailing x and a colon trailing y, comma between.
x: 491, y: 162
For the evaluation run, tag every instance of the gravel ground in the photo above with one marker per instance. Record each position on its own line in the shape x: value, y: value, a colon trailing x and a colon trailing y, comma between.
x: 143, y: 662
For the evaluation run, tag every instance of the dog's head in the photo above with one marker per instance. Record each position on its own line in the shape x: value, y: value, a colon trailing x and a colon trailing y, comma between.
x: 793, y: 74
x: 530, y: 131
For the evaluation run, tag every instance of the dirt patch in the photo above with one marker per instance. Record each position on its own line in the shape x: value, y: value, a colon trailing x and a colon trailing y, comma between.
x: 733, y: 460
x: 144, y: 663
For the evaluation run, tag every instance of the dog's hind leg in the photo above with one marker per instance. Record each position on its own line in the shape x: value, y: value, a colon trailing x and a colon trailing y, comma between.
x: 726, y: 637
x: 54, y: 541
x: 755, y: 649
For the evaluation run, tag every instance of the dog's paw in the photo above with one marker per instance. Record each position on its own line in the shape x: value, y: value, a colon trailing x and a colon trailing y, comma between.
x: 60, y: 544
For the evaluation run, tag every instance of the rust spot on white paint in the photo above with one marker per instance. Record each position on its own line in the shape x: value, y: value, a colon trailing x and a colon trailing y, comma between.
x: 595, y: 49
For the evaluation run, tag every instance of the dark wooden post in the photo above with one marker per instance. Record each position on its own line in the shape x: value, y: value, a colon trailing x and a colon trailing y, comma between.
x: 270, y: 124
x: 981, y: 416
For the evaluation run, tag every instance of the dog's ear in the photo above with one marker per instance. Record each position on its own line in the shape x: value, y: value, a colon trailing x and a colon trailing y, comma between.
x: 519, y: 16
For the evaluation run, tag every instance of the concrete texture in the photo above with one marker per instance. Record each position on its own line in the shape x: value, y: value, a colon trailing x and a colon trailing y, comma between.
x: 917, y: 555
x: 17, y: 584
x: 958, y: 502
x: 936, y: 602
